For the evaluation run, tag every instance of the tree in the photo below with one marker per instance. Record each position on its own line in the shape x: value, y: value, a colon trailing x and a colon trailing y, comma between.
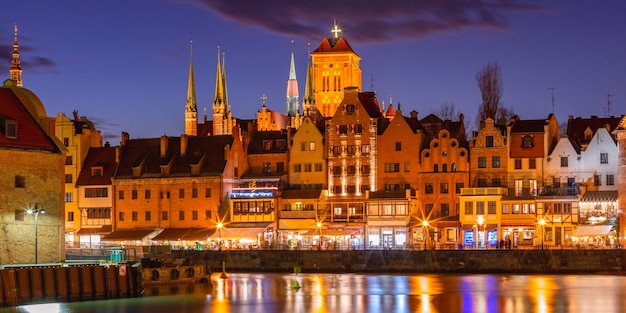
x: 489, y: 80
x: 446, y: 111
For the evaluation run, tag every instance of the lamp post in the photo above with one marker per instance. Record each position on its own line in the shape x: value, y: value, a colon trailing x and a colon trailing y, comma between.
x: 425, y: 230
x: 319, y: 240
x: 219, y: 234
x: 36, y: 211
x: 542, y: 222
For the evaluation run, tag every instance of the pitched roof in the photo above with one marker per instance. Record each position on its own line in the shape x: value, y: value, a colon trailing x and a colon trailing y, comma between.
x: 207, y: 152
x: 576, y: 127
x: 98, y: 157
x: 528, y: 126
x: 258, y: 138
x: 370, y: 103
x: 30, y: 135
x: 334, y: 46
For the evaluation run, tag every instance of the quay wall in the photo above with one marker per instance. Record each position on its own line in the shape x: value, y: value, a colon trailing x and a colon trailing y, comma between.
x: 21, y: 285
x: 411, y: 261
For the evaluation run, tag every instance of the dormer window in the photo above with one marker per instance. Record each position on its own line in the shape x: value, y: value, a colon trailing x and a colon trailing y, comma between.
x: 96, y: 171
x: 10, y: 129
x: 280, y: 144
x: 267, y: 145
x: 527, y: 141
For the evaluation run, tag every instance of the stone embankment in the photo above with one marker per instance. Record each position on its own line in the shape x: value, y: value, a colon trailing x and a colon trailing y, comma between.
x: 412, y: 261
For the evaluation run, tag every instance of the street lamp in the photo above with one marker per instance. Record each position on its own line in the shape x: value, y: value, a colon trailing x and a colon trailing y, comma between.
x: 319, y: 240
x: 425, y: 230
x: 542, y: 222
x: 219, y: 234
x: 36, y: 211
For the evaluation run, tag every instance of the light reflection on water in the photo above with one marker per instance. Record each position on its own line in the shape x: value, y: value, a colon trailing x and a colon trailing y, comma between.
x: 353, y: 293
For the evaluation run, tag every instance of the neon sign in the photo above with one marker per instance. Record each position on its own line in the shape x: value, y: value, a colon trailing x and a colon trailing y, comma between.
x: 252, y: 194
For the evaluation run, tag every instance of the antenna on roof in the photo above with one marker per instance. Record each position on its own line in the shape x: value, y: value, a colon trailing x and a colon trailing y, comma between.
x: 372, y: 82
x: 608, y: 104
x: 552, y: 91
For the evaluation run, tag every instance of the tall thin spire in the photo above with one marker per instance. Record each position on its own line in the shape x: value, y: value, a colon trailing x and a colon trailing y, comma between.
x: 309, y: 96
x: 16, y: 71
x: 191, y: 89
x: 191, y: 109
x: 218, y: 99
x: 292, y: 87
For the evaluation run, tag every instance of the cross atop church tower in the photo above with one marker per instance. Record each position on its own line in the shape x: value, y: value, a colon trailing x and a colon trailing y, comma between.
x: 336, y: 30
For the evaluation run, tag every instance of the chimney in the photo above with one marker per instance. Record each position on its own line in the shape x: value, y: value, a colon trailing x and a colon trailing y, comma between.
x: 107, y: 144
x: 75, y: 113
x: 117, y: 155
x: 163, y: 145
x: 414, y: 114
x: 125, y: 137
x: 183, y: 143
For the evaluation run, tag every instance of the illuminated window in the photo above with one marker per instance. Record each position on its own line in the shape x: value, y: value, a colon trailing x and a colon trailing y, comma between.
x: 469, y: 207
x: 491, y: 207
x: 527, y: 141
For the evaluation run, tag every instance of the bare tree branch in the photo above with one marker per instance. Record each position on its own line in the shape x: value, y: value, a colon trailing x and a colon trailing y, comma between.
x: 489, y: 80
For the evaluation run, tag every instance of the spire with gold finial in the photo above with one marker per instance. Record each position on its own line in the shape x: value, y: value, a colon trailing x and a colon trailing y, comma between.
x: 16, y: 71
x: 309, y: 97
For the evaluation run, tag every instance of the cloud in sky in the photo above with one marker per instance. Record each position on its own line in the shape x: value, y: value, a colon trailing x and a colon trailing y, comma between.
x: 370, y: 21
x: 31, y: 57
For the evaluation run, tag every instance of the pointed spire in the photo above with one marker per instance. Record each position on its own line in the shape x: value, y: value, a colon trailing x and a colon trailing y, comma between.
x: 225, y: 91
x: 218, y: 99
x: 309, y: 96
x: 292, y: 87
x: 191, y: 89
x: 16, y: 71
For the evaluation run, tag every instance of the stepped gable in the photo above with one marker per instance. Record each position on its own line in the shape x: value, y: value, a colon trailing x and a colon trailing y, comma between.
x: 30, y: 135
x: 145, y: 156
x: 98, y: 157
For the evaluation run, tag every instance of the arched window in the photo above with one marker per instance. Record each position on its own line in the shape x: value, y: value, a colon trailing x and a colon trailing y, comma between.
x: 436, y: 168
x: 444, y: 167
x: 454, y: 167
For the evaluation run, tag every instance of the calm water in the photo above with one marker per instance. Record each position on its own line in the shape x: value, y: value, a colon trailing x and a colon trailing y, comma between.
x: 355, y: 293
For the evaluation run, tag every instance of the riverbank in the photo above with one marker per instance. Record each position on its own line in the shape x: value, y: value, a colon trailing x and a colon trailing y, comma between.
x: 412, y: 261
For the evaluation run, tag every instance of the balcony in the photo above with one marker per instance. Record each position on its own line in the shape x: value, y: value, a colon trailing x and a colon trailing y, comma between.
x: 550, y: 191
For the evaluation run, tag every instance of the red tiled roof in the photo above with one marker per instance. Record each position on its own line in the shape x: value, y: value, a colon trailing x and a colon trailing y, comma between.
x: 340, y: 45
x: 30, y: 135
x: 98, y: 156
x: 576, y: 127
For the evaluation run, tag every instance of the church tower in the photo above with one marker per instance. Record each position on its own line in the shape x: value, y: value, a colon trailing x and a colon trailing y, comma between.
x: 191, y: 109
x: 222, y: 118
x: 308, y: 102
x: 335, y: 67
x: 16, y: 70
x: 292, y: 89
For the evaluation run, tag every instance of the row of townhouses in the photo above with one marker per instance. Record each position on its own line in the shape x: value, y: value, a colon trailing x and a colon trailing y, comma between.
x: 342, y: 172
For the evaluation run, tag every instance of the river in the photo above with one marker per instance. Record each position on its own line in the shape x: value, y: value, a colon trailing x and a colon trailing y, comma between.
x: 354, y: 293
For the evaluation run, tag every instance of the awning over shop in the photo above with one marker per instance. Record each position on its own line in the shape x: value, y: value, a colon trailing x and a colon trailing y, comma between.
x: 128, y: 234
x: 295, y: 224
x: 231, y: 233
x: 94, y: 230
x: 599, y: 196
x: 184, y: 234
x: 592, y: 230
x: 331, y: 232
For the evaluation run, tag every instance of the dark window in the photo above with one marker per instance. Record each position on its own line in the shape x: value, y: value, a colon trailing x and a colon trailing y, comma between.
x: 604, y: 158
x: 489, y: 141
x: 597, y: 180
x: 20, y: 181
x: 98, y: 192
x: 351, y: 169
x: 482, y: 182
x: 343, y: 130
x: 181, y: 215
x: 480, y: 207
x: 267, y: 167
x: 70, y: 216
x: 491, y: 207
x: 121, y: 216
x: 207, y: 193
x: 610, y: 179
x: 482, y: 162
x: 66, y: 142
x: 280, y: 167
x: 147, y: 194
x: 469, y: 207
x: 120, y: 194
x: 527, y: 141
x: 181, y: 193
x: 148, y: 215
x: 496, y: 182
x: 564, y: 161
x: 194, y: 215
x: 392, y: 167
x: 267, y: 145
x: 134, y: 194
x: 518, y: 164
x: 336, y: 170
x: 68, y: 160
x: 398, y: 146
x: 194, y: 192
x: 532, y: 163
x: 134, y: 215
x: 11, y: 129
x: 207, y: 214
x: 428, y: 188
x: 164, y: 215
x: 308, y: 167
x: 68, y: 178
x: 495, y: 161
x: 445, y: 209
x: 458, y: 187
x: 365, y: 169
x: 351, y: 150
x: 351, y: 189
x: 443, y: 187
x: 350, y: 108
x: 358, y: 129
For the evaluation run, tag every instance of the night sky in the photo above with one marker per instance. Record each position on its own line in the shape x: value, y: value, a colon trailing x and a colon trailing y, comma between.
x: 124, y: 64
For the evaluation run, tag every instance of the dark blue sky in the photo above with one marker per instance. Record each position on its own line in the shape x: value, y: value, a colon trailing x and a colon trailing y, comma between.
x: 124, y: 64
